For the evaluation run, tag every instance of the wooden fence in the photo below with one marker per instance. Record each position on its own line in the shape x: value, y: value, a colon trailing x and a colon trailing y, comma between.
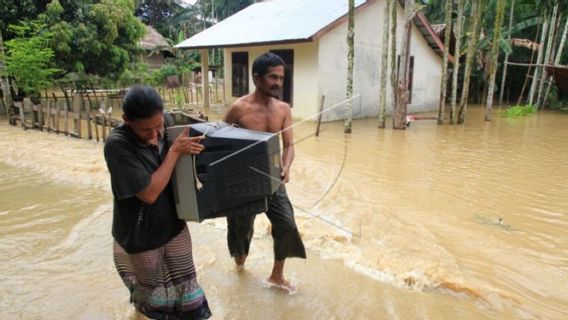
x: 79, y: 116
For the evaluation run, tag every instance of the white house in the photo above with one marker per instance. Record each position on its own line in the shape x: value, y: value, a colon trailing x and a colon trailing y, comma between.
x: 310, y: 35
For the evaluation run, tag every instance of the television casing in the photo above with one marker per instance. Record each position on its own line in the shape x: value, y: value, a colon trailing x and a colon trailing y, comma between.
x: 239, y: 169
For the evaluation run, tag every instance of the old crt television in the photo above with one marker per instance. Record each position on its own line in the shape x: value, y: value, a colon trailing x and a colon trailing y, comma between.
x: 239, y: 169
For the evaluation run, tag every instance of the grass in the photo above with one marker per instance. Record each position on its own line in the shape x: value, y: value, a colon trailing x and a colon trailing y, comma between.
x: 519, y: 111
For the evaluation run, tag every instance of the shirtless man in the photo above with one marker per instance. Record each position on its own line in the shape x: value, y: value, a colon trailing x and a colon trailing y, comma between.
x: 262, y: 111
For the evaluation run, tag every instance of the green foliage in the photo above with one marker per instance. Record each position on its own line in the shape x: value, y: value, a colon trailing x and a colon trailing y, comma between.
x: 29, y: 60
x: 94, y: 37
x: 519, y: 111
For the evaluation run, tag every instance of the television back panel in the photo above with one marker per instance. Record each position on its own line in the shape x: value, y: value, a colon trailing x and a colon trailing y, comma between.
x: 238, y: 169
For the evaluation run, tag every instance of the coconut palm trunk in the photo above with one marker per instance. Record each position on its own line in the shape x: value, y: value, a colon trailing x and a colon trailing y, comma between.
x: 547, y: 56
x: 447, y: 37
x: 459, y: 24
x: 350, y: 64
x: 384, y: 64
x: 6, y: 94
x: 539, y: 59
x: 399, y: 114
x: 474, y: 32
x: 504, y: 74
x: 494, y: 57
x: 392, y: 50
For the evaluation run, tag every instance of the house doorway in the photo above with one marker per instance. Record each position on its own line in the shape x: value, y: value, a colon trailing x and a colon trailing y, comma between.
x: 287, y: 93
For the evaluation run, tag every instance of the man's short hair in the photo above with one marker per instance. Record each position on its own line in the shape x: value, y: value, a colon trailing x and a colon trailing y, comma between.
x: 263, y: 62
x: 142, y: 102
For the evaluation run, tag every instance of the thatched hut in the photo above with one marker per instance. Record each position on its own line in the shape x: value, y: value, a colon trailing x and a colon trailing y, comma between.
x: 156, y: 48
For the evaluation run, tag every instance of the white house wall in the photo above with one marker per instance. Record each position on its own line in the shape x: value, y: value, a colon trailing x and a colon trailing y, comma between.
x: 305, y: 87
x: 332, y: 75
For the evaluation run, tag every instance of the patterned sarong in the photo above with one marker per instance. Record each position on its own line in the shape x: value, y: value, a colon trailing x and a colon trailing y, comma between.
x: 163, y: 282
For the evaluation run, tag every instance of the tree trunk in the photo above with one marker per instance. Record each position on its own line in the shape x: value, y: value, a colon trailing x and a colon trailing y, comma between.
x: 504, y: 75
x: 384, y: 65
x: 494, y: 57
x: 474, y: 31
x: 6, y: 94
x: 557, y: 59
x: 399, y: 115
x: 459, y: 23
x: 392, y: 48
x: 447, y: 37
x: 538, y: 60
x: 350, y: 63
x: 547, y: 58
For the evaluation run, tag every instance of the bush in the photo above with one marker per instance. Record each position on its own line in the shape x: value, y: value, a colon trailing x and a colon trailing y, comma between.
x: 519, y: 111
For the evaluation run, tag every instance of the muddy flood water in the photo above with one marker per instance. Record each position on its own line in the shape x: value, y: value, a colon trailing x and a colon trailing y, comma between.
x: 435, y: 222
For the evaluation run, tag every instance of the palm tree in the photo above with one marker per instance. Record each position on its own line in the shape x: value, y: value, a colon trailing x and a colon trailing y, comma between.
x: 547, y: 56
x: 399, y: 114
x: 474, y: 32
x: 504, y: 74
x: 384, y: 64
x: 494, y: 56
x: 350, y: 63
x: 457, y: 49
x: 392, y: 49
x: 447, y: 36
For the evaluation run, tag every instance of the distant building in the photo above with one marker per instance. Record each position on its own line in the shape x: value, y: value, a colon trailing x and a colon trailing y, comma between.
x: 156, y: 48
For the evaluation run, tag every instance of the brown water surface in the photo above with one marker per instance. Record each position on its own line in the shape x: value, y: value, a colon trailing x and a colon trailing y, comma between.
x: 435, y: 222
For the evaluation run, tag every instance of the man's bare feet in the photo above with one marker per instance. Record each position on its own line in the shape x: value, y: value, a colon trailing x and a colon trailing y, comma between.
x: 240, y: 262
x: 282, y: 284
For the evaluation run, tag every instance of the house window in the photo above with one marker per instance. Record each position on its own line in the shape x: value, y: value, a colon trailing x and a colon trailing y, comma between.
x: 240, y: 74
x: 288, y: 85
x: 410, y: 76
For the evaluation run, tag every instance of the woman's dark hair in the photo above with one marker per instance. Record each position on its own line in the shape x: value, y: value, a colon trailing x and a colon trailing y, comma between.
x: 263, y: 62
x: 142, y: 102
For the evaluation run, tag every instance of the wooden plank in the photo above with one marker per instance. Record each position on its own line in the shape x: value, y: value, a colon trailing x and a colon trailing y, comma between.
x: 77, y: 114
x: 88, y: 116
x: 40, y: 117
x: 66, y: 117
x: 22, y: 117
x: 57, y: 116
x: 322, y: 101
x: 48, y: 120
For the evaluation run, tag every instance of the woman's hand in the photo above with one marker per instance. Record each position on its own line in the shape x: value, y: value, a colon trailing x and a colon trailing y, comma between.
x: 184, y: 144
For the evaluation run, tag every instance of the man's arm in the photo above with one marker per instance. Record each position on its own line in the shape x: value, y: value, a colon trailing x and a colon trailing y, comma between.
x: 232, y: 115
x: 183, y: 144
x: 288, y: 143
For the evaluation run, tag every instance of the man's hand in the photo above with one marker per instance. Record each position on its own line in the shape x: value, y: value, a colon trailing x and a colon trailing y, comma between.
x: 285, y: 175
x: 184, y: 144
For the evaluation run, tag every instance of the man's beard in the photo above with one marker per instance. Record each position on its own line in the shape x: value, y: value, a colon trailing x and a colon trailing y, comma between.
x: 274, y: 92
